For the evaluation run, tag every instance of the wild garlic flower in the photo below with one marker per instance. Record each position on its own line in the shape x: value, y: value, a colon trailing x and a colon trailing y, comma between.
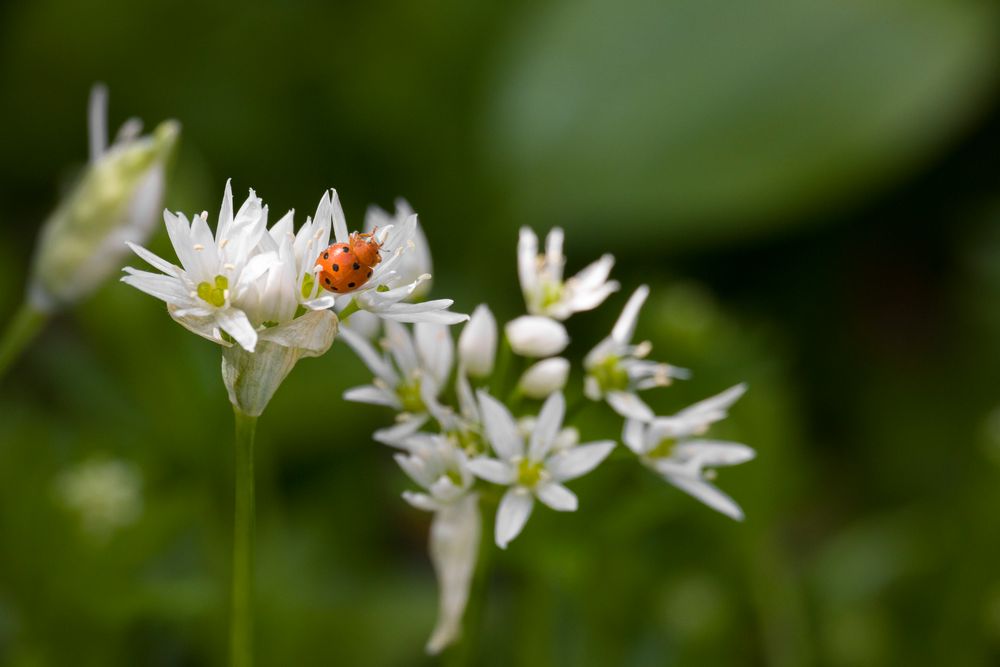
x: 417, y: 261
x: 670, y: 446
x: 243, y: 285
x: 531, y: 470
x: 617, y: 369
x: 106, y: 495
x: 545, y: 291
x: 411, y: 376
x: 117, y: 199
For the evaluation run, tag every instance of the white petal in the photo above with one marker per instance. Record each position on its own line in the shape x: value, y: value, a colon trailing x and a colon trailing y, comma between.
x: 154, y: 260
x: 400, y: 345
x: 708, y: 494
x: 397, y: 435
x: 515, y: 508
x: 527, y: 266
x: 624, y: 328
x: 629, y: 405
x: 421, y: 501
x: 554, y: 259
x: 547, y: 427
x: 492, y: 470
x: 454, y: 546
x: 557, y: 496
x: 235, y: 323
x: 310, y: 334
x: 436, y: 349
x: 97, y: 121
x: 501, y: 430
x: 633, y: 435
x: 339, y: 221
x: 373, y: 395
x: 715, y: 407
x: 713, y: 453
x: 372, y: 359
x: 536, y: 336
x: 162, y: 287
x: 578, y: 461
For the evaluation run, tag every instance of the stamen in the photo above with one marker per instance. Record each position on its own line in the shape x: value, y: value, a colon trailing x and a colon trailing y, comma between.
x: 223, y: 243
x: 199, y: 247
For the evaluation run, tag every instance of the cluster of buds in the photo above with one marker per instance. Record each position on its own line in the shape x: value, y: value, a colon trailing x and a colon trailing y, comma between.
x: 462, y: 437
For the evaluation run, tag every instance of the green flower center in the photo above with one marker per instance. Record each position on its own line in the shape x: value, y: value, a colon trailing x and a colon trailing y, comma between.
x: 529, y: 473
x: 308, y: 282
x: 455, y: 478
x: 663, y: 450
x: 610, y: 375
x: 470, y: 442
x: 409, y: 396
x: 551, y: 294
x: 214, y: 294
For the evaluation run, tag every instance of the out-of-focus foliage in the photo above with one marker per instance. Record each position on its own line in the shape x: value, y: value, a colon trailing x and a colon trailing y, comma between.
x: 870, y: 342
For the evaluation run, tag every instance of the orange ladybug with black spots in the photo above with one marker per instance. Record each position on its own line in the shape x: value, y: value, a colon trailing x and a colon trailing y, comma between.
x: 344, y: 267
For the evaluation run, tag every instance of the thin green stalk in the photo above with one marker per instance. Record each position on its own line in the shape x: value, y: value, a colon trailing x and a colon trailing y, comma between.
x: 241, y: 621
x: 22, y: 329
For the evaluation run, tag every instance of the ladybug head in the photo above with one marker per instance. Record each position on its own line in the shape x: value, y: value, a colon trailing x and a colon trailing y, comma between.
x: 366, y: 248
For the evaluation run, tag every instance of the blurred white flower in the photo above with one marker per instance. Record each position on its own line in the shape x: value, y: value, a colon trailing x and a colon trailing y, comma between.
x: 668, y: 446
x: 117, y: 199
x: 477, y: 344
x: 106, y: 494
x: 536, y: 336
x: 616, y: 369
x: 246, y: 284
x: 544, y: 377
x: 417, y: 260
x: 545, y: 292
x: 533, y: 470
x: 442, y: 470
x: 411, y: 376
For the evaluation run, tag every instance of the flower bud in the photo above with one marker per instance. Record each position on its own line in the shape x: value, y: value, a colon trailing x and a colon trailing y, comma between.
x: 477, y: 344
x: 544, y: 377
x: 536, y: 336
x: 119, y: 198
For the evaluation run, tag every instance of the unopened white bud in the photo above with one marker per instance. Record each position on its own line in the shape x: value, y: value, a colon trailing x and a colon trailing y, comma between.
x: 545, y: 377
x: 477, y: 344
x: 536, y: 336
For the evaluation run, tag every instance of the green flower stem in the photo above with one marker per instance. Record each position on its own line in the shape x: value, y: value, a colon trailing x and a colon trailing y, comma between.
x: 241, y: 621
x: 346, y: 313
x: 502, y: 368
x: 22, y: 329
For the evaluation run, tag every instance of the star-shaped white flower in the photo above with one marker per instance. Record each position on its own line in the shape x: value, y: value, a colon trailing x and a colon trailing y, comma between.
x: 670, y: 446
x: 417, y: 260
x: 545, y: 291
x: 617, y: 369
x: 531, y: 470
x: 411, y: 376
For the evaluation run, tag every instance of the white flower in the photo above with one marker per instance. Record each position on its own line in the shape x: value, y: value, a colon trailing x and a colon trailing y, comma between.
x: 442, y: 470
x: 667, y: 445
x: 106, y: 494
x: 545, y: 292
x: 535, y: 336
x: 533, y: 470
x: 616, y: 369
x: 417, y: 261
x: 544, y: 377
x: 412, y: 375
x: 477, y: 344
x: 117, y: 199
x: 246, y: 283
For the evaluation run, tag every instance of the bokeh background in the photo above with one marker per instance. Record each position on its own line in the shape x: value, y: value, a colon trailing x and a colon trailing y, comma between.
x: 811, y: 188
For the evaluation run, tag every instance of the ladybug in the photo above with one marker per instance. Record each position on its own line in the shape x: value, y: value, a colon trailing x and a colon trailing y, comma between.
x: 344, y: 267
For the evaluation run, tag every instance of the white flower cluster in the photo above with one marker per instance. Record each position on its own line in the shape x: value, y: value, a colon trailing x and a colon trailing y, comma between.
x: 477, y: 448
x: 254, y: 289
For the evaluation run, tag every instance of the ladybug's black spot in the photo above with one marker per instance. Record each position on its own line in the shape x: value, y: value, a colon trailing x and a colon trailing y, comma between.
x: 350, y: 284
x: 346, y: 250
x: 369, y: 273
x: 356, y: 266
x: 326, y: 280
x: 326, y: 255
x: 336, y: 267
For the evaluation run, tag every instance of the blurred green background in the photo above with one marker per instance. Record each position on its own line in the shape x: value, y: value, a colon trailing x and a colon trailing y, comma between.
x: 811, y: 188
